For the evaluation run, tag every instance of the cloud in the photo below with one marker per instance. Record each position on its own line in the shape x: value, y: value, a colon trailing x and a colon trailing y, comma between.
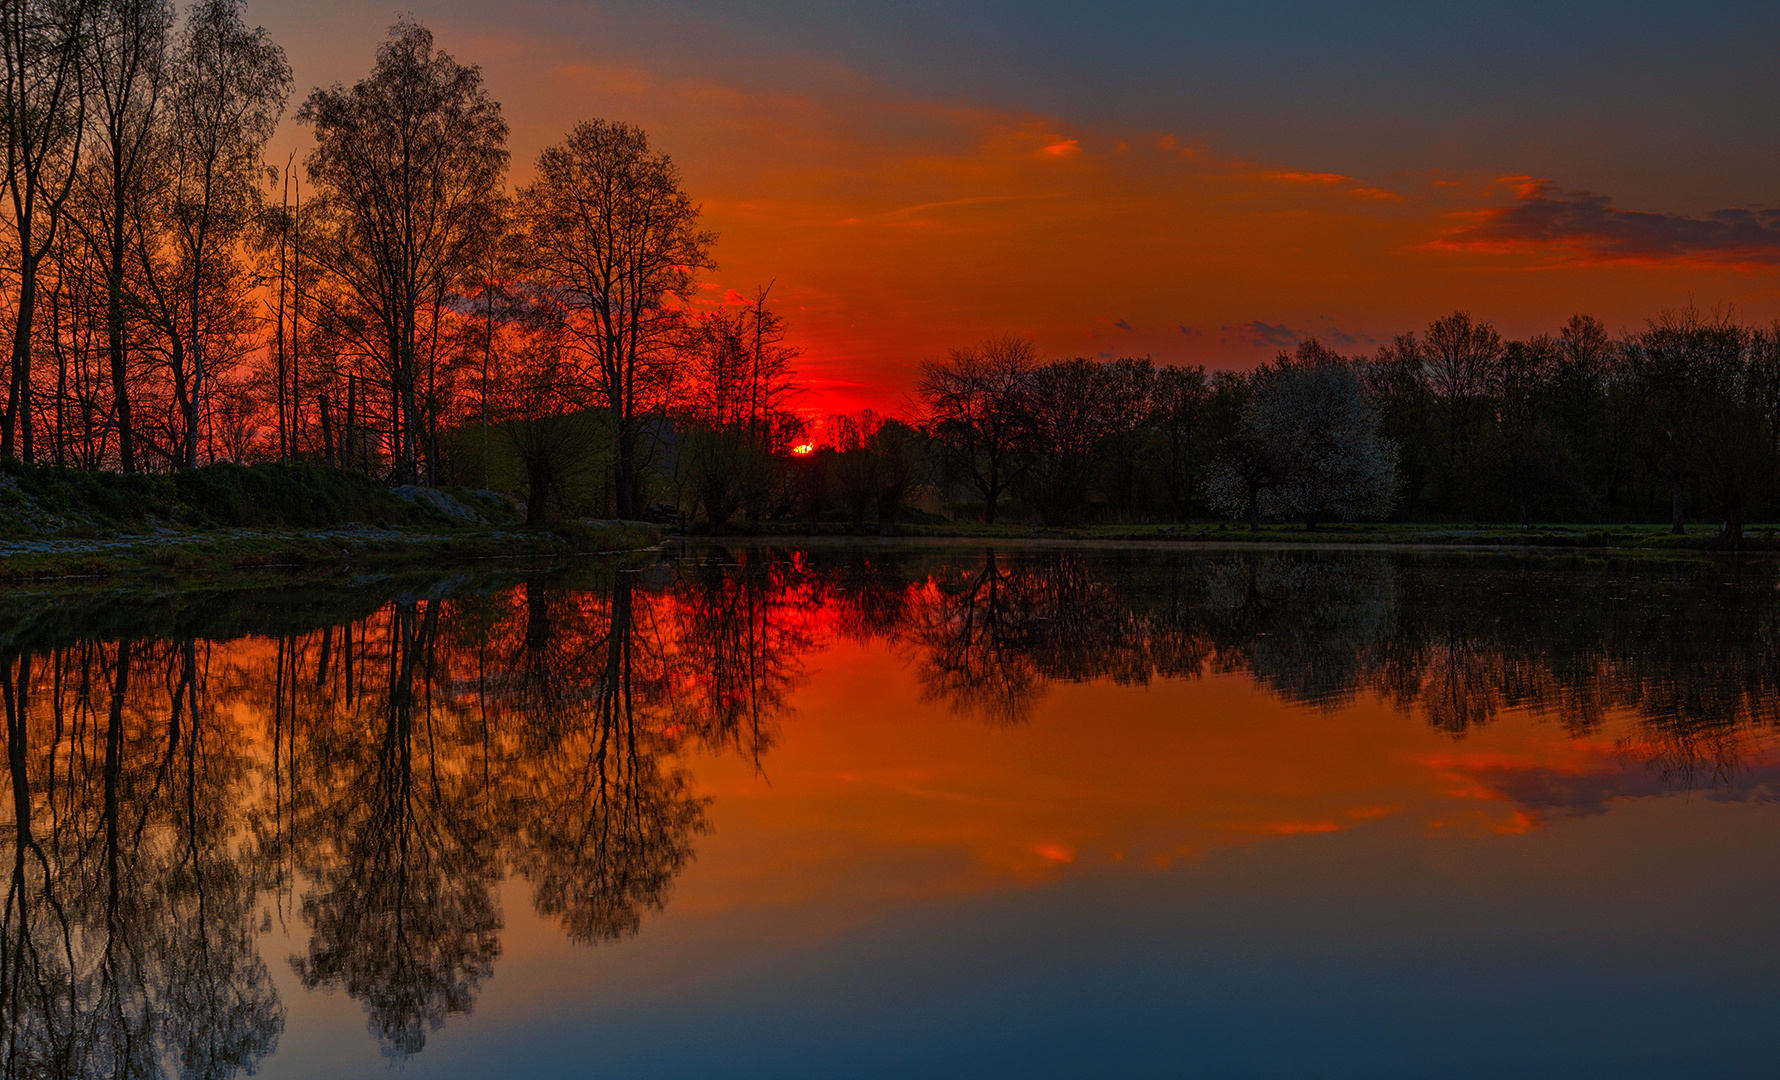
x: 1310, y: 177
x: 1588, y: 228
x: 1122, y: 324
x: 1258, y: 333
x: 1329, y: 179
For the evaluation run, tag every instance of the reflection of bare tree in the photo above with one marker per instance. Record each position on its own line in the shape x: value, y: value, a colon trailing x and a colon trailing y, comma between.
x: 127, y: 943
x: 866, y: 596
x: 604, y: 827
x: 1693, y: 659
x: 531, y: 728
x: 403, y: 913
x: 740, y: 628
x: 973, y: 632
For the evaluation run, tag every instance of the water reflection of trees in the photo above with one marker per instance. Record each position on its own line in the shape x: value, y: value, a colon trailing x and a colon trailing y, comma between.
x: 375, y: 771
x: 376, y: 777
x: 1689, y: 654
x: 127, y: 943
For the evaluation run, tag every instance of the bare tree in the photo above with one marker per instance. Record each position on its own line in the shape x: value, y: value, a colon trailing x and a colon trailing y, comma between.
x: 43, y: 105
x: 538, y: 417
x: 614, y: 237
x: 228, y: 90
x: 1459, y: 354
x: 1068, y: 406
x: 1178, y: 404
x: 127, y: 65
x: 977, y: 408
x: 409, y: 164
x: 1688, y: 367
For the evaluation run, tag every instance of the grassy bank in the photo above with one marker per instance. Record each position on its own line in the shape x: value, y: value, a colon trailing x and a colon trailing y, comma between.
x: 264, y: 521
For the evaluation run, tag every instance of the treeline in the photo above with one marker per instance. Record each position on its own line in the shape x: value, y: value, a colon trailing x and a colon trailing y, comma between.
x: 1679, y: 420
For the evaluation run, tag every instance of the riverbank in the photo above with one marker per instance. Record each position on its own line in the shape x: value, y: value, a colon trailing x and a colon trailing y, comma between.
x: 274, y: 520
x: 1653, y: 538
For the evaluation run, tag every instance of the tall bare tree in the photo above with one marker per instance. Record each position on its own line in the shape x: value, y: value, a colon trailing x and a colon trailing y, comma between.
x: 978, y: 409
x: 1459, y: 353
x: 43, y: 107
x: 127, y: 66
x: 229, y: 88
x: 409, y: 165
x: 615, y: 238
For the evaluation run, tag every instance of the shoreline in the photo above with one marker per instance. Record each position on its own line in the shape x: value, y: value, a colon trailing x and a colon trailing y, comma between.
x: 1651, y: 539
x: 205, y: 558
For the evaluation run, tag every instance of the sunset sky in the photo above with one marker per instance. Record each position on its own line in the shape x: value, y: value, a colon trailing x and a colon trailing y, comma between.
x: 1200, y: 185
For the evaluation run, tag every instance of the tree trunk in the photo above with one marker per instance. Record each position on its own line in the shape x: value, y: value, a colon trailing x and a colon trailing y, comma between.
x: 17, y: 420
x: 537, y: 492
x: 346, y: 442
x: 327, y: 430
x: 625, y: 479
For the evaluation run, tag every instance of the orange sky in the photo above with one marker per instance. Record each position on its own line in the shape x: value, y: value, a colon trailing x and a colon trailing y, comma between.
x: 903, y: 209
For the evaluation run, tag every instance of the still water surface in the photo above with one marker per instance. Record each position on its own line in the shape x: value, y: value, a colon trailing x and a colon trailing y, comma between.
x: 903, y: 811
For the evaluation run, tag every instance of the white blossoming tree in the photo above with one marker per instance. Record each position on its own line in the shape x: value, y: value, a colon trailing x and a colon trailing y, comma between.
x: 1308, y: 448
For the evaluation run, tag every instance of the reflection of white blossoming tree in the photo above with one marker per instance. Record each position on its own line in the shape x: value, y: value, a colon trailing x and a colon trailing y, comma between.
x: 1308, y: 448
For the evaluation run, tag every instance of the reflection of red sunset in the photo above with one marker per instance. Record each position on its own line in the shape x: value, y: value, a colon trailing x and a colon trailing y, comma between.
x: 935, y: 802
x: 867, y: 789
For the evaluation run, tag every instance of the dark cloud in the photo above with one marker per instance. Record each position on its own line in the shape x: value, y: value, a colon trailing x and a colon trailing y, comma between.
x: 1591, y: 225
x: 1122, y: 325
x: 1190, y: 331
x: 1256, y: 332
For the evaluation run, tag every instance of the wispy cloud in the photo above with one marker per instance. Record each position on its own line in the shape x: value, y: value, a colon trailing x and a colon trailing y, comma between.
x: 1256, y: 332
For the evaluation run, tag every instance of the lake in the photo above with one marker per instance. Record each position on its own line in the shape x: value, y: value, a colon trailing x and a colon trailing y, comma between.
x: 895, y: 810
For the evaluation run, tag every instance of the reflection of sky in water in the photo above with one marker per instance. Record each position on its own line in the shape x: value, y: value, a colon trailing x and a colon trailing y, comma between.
x: 1141, y: 882
x: 1278, y: 862
x: 1192, y: 873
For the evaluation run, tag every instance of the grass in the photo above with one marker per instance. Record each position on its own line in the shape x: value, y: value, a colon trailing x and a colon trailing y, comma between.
x: 275, y: 495
x: 225, y: 520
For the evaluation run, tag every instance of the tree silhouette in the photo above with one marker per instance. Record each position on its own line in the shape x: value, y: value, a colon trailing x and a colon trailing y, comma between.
x: 613, y: 237
x: 977, y: 407
x: 409, y: 163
